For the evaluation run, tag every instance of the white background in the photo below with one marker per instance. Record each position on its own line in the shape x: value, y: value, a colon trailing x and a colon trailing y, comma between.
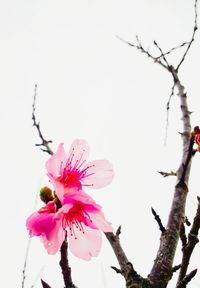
x: 93, y: 86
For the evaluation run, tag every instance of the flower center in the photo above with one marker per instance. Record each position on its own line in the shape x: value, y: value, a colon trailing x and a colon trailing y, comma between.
x: 75, y: 218
x: 73, y: 171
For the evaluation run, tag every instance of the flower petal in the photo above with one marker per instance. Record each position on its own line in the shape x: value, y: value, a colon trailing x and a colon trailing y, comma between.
x: 86, y: 245
x: 79, y: 196
x: 100, y: 222
x: 99, y: 174
x: 48, y: 228
x: 53, y: 164
x: 40, y: 223
x: 54, y: 243
x: 78, y: 153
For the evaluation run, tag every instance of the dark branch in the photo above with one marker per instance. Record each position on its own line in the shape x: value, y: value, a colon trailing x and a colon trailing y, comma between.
x: 118, y: 232
x: 116, y: 269
x: 192, y: 241
x: 183, y: 235
x: 183, y: 283
x: 44, y: 284
x: 176, y: 268
x: 158, y: 220
x: 64, y: 264
x: 45, y: 143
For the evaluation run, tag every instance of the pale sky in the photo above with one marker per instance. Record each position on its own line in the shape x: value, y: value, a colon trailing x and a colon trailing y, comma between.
x: 93, y: 86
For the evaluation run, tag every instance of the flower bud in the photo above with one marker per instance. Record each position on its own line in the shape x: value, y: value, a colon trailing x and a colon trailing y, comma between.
x: 46, y: 194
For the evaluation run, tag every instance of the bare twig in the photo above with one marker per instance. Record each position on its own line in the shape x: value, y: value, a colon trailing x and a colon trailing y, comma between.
x: 45, y: 143
x: 44, y: 284
x: 167, y: 174
x: 143, y: 50
x: 193, y: 36
x: 117, y: 270
x: 167, y: 116
x: 162, y: 54
x: 173, y: 49
x: 158, y: 220
x: 25, y: 262
x: 37, y: 277
x: 176, y: 268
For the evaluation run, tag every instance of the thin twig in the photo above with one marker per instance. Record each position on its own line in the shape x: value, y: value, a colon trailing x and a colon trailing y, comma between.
x: 192, y: 38
x: 162, y: 54
x: 176, y: 268
x: 173, y: 49
x: 37, y: 277
x: 167, y: 174
x: 167, y: 116
x: 25, y: 262
x: 44, y: 284
x: 45, y: 143
x: 158, y: 220
x: 143, y: 50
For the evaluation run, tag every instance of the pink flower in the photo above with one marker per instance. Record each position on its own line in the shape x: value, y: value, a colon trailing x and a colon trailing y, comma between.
x: 197, y: 141
x: 71, y: 170
x: 80, y: 216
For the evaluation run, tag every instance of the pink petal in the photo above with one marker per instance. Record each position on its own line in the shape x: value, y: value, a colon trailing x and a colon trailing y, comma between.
x: 100, y: 222
x: 54, y: 243
x: 59, y: 189
x: 78, y: 154
x: 99, y: 174
x: 49, y: 228
x: 53, y: 164
x: 40, y: 223
x: 79, y: 196
x: 86, y: 245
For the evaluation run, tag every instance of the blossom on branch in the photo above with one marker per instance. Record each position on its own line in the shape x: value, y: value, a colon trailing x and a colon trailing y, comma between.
x: 197, y: 141
x: 68, y: 171
x: 80, y: 216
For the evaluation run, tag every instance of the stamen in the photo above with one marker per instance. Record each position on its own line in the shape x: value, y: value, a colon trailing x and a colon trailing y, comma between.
x: 75, y: 218
x: 78, y: 161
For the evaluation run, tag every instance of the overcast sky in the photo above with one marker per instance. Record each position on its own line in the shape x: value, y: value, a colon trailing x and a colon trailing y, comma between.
x: 93, y: 86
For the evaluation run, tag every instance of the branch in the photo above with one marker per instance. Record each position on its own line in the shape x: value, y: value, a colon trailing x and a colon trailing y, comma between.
x: 64, y: 264
x: 45, y: 143
x: 44, y: 284
x: 25, y: 262
x: 66, y: 270
x: 167, y: 116
x: 186, y: 279
x: 173, y: 49
x: 167, y: 174
x: 192, y: 241
x: 192, y: 38
x: 157, y: 218
x: 139, y: 47
x: 183, y: 235
x: 126, y: 267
